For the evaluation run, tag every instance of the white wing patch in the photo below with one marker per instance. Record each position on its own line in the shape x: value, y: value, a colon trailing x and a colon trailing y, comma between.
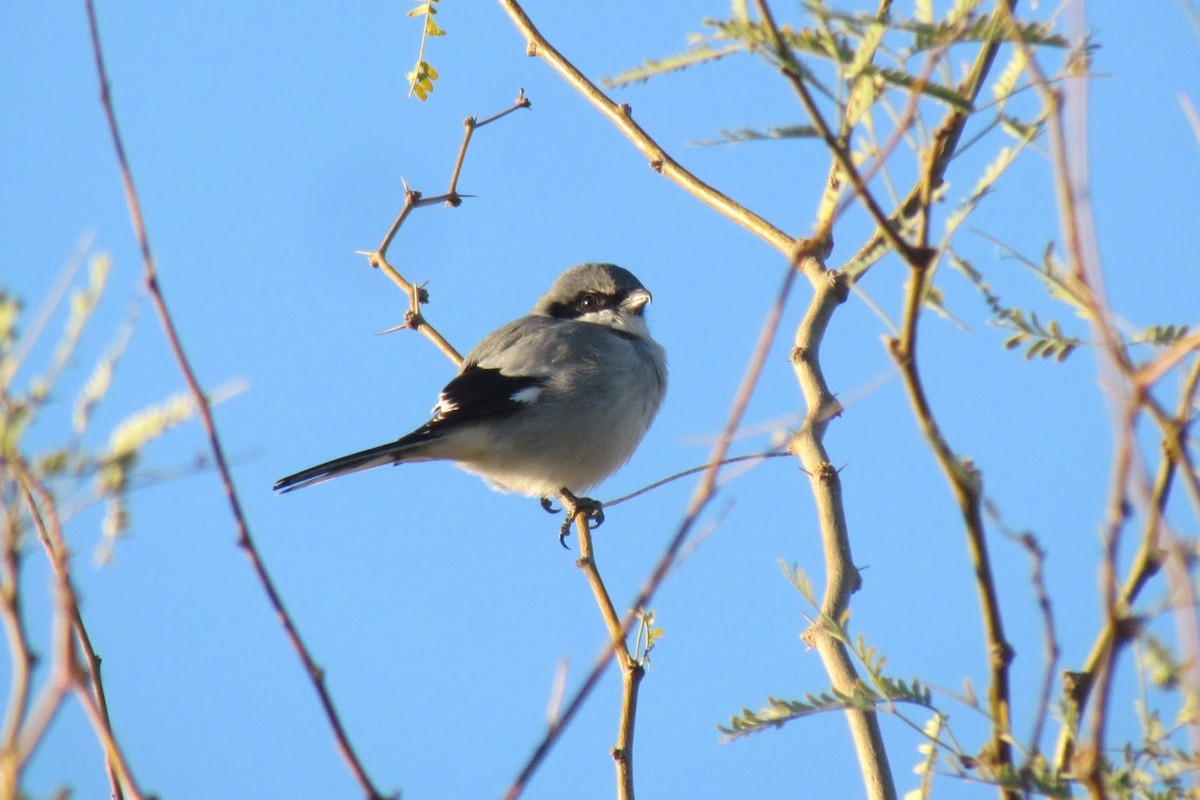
x: 444, y: 406
x: 528, y: 395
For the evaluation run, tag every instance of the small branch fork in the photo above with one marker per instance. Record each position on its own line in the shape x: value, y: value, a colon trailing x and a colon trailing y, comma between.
x: 24, y: 728
x: 413, y: 199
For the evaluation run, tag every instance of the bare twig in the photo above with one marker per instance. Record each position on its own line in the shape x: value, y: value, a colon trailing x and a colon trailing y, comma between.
x: 67, y: 673
x: 21, y: 656
x: 837, y: 147
x: 414, y: 319
x: 470, y: 125
x: 244, y: 539
x: 621, y: 116
x: 1132, y: 395
x: 830, y: 289
x: 631, y: 671
x: 1053, y: 652
x: 945, y: 141
x: 1147, y: 563
x: 966, y: 484
x: 692, y: 471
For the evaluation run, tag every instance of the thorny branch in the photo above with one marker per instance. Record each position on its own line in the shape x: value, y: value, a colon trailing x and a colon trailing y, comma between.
x: 377, y: 258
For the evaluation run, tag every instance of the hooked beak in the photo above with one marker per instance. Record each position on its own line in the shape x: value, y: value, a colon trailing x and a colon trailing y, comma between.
x: 636, y: 301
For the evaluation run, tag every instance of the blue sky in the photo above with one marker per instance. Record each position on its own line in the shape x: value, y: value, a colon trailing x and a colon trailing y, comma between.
x: 268, y: 147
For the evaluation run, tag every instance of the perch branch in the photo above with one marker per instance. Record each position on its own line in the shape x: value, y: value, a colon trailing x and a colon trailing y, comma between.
x: 704, y: 493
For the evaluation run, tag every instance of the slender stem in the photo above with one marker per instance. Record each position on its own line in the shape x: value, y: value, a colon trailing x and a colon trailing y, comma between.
x: 838, y: 148
x: 413, y: 199
x: 42, y: 508
x: 631, y: 670
x: 470, y: 125
x: 945, y: 141
x: 1147, y: 563
x: 966, y: 484
x: 621, y: 117
x: 244, y: 538
x: 21, y: 658
x: 830, y: 289
x: 692, y: 471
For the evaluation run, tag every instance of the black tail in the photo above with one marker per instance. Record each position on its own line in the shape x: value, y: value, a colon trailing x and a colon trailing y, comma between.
x: 390, y: 453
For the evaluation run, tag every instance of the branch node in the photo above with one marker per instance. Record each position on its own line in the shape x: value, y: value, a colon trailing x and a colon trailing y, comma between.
x: 1003, y: 653
x: 839, y: 282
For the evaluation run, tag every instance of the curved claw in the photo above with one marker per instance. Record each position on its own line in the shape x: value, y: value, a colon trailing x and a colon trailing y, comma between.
x: 591, y: 510
x: 548, y: 506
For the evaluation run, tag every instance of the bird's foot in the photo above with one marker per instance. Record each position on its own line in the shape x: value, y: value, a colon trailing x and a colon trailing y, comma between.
x: 591, y: 510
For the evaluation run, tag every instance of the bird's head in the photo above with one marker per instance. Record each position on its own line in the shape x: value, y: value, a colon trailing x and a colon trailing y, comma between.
x: 602, y: 294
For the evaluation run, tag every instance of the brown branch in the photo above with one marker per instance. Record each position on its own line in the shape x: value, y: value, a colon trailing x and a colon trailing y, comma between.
x: 470, y: 125
x: 1052, y: 650
x: 1075, y: 221
x: 791, y: 70
x: 631, y: 670
x: 414, y: 319
x: 244, y: 538
x: 1147, y: 563
x: 946, y: 138
x: 830, y: 290
x: 67, y: 673
x: 621, y: 117
x: 21, y: 656
x: 966, y: 485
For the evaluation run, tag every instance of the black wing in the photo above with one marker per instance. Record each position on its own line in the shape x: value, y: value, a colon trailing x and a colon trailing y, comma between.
x: 480, y: 392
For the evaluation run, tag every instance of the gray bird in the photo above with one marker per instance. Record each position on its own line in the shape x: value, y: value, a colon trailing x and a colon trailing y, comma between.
x: 549, y: 404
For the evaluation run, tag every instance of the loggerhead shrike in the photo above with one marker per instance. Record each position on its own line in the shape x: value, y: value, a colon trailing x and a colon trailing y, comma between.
x: 550, y: 404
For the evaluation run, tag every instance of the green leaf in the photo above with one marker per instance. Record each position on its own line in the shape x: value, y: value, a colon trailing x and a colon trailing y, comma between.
x: 99, y: 381
x: 702, y: 54
x: 1003, y: 87
x: 737, y: 135
x: 947, y: 95
x: 1162, y: 335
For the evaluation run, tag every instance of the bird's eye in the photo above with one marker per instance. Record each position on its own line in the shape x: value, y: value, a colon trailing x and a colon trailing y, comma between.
x: 589, y: 302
